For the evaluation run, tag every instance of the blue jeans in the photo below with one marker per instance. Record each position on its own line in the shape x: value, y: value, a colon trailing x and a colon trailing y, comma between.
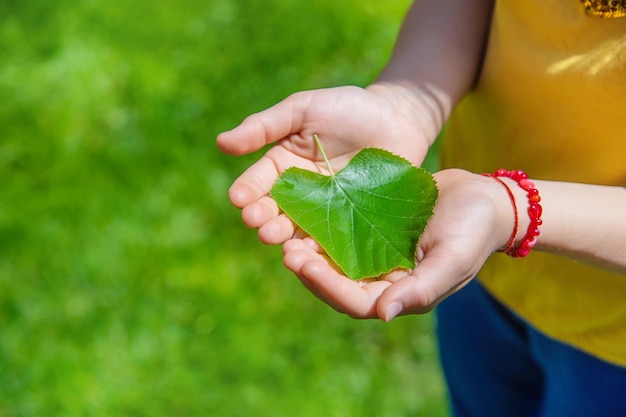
x: 497, y: 365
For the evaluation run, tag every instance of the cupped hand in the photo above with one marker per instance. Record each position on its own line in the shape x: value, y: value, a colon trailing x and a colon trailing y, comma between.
x: 346, y: 119
x: 472, y: 219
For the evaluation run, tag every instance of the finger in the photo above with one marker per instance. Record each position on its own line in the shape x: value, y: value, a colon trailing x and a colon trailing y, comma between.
x: 254, y: 183
x: 259, y: 212
x: 265, y: 127
x: 294, y: 261
x: 307, y: 245
x: 354, y: 298
x: 258, y: 179
x: 277, y: 230
x: 299, y: 251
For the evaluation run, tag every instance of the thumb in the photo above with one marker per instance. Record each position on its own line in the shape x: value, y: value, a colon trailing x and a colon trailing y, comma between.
x: 265, y: 127
x: 434, y: 279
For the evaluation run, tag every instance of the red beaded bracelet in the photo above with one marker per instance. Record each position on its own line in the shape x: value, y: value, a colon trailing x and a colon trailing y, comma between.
x: 534, y: 212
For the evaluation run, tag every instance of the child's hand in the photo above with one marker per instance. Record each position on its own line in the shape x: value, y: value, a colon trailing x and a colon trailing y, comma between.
x: 473, y: 218
x: 346, y: 119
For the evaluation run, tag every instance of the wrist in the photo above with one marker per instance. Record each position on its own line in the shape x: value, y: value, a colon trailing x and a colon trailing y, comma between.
x: 516, y: 203
x: 507, y: 225
x: 421, y: 103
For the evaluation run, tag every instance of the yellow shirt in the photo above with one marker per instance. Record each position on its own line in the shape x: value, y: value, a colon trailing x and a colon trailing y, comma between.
x: 551, y: 100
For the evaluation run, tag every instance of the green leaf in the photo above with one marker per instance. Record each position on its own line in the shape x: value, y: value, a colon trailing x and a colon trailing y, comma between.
x: 368, y: 217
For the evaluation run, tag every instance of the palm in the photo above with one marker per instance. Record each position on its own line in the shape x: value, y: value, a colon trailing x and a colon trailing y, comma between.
x: 346, y: 119
x: 453, y: 248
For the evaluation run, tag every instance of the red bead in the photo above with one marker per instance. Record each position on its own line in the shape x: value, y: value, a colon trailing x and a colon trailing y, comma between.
x: 518, y: 175
x: 535, y: 210
x: 526, y: 184
x: 534, y: 198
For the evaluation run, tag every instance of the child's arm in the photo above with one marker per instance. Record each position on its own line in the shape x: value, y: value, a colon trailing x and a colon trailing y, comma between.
x: 436, y: 59
x: 585, y: 222
x: 439, y: 51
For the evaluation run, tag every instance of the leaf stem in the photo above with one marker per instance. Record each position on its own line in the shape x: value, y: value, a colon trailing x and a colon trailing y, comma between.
x: 319, y: 145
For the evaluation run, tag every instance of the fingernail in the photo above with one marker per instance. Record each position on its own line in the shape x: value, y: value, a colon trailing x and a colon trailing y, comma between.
x: 393, y: 310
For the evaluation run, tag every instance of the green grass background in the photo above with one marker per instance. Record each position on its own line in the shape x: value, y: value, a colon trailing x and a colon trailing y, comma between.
x: 128, y: 285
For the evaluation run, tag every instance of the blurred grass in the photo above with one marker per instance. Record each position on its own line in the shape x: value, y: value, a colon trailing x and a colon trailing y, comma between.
x: 128, y: 286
